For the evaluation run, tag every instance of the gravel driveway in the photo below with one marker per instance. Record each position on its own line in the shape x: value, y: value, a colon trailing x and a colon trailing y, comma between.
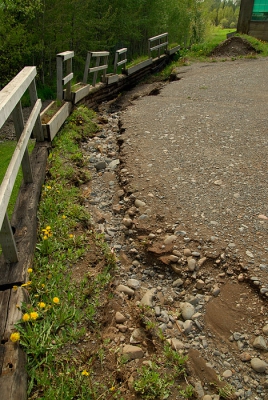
x: 197, y: 155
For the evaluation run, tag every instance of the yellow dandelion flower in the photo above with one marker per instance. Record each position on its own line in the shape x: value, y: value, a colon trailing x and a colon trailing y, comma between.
x: 45, y: 237
x: 48, y: 187
x: 26, y: 284
x: 64, y: 217
x: 34, y: 315
x: 50, y: 234
x: 71, y: 236
x: 48, y: 228
x: 56, y: 300
x: 112, y: 389
x: 41, y: 304
x: 43, y: 285
x: 26, y: 317
x: 15, y: 337
x: 30, y: 270
x: 85, y: 373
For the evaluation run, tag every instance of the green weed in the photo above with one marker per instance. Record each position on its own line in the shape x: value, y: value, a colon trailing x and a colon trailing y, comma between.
x: 151, y: 385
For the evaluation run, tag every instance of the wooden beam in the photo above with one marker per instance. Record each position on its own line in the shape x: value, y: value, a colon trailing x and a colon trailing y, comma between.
x: 11, y: 94
x: 37, y: 130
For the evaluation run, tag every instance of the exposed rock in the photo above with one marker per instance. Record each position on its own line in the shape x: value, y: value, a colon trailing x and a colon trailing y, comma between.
x: 125, y: 289
x: 119, y: 318
x: 258, y: 365
x: 132, y: 352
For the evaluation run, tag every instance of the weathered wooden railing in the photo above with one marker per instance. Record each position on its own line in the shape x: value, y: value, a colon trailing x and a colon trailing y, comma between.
x: 98, y: 55
x: 64, y: 80
x: 10, y: 103
x: 157, y: 43
x: 118, y: 61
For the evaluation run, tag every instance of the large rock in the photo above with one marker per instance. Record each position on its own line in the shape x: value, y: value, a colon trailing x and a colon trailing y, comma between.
x: 258, y: 365
x: 119, y: 318
x: 259, y: 343
x: 187, y: 310
x: 132, y: 352
x: 147, y: 299
x: 125, y: 289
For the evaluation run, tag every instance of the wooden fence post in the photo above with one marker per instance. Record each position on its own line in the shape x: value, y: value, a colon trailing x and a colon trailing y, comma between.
x: 62, y: 81
x: 37, y: 130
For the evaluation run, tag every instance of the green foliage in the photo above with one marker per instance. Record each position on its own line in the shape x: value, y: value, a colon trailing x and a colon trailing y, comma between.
x: 150, y: 384
x: 175, y: 360
x: 33, y: 32
x: 188, y: 392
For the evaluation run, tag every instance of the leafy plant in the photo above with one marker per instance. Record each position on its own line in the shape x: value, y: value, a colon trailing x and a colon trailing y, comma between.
x: 150, y: 385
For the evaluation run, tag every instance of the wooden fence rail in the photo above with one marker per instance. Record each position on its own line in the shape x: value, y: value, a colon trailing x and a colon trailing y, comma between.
x: 157, y: 43
x: 117, y: 61
x: 10, y: 103
x: 98, y: 55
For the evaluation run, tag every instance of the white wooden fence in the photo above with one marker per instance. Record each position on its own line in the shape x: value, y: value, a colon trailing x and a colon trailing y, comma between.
x: 157, y: 43
x: 99, y: 56
x: 10, y: 103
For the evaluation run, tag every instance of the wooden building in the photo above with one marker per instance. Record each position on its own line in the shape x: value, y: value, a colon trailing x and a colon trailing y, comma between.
x: 253, y: 18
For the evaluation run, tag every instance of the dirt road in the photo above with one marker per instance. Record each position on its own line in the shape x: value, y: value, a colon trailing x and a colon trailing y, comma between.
x: 190, y: 215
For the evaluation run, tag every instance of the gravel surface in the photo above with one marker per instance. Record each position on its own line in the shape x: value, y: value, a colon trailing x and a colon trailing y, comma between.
x: 199, y: 153
x: 179, y: 189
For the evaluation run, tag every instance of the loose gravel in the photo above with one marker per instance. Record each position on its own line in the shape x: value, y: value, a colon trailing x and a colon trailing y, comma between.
x: 179, y: 189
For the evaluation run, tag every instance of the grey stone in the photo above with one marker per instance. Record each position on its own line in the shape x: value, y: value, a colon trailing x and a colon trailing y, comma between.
x: 139, y: 203
x: 188, y: 326
x: 113, y: 164
x: 260, y: 343
x: 147, y: 299
x: 227, y: 374
x: 132, y: 352
x: 177, y: 283
x: 119, y: 318
x: 133, y: 284
x: 177, y: 344
x: 187, y: 252
x: 265, y: 330
x: 137, y: 336
x: 258, y: 365
x: 125, y: 289
x: 187, y: 310
x: 199, y: 389
x: 170, y: 239
x: 191, y: 264
x: 127, y: 222
x: 215, y: 290
x: 199, y: 284
x: 100, y: 165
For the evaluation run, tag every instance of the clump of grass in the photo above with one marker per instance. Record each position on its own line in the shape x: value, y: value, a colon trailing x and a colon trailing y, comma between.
x: 151, y: 385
